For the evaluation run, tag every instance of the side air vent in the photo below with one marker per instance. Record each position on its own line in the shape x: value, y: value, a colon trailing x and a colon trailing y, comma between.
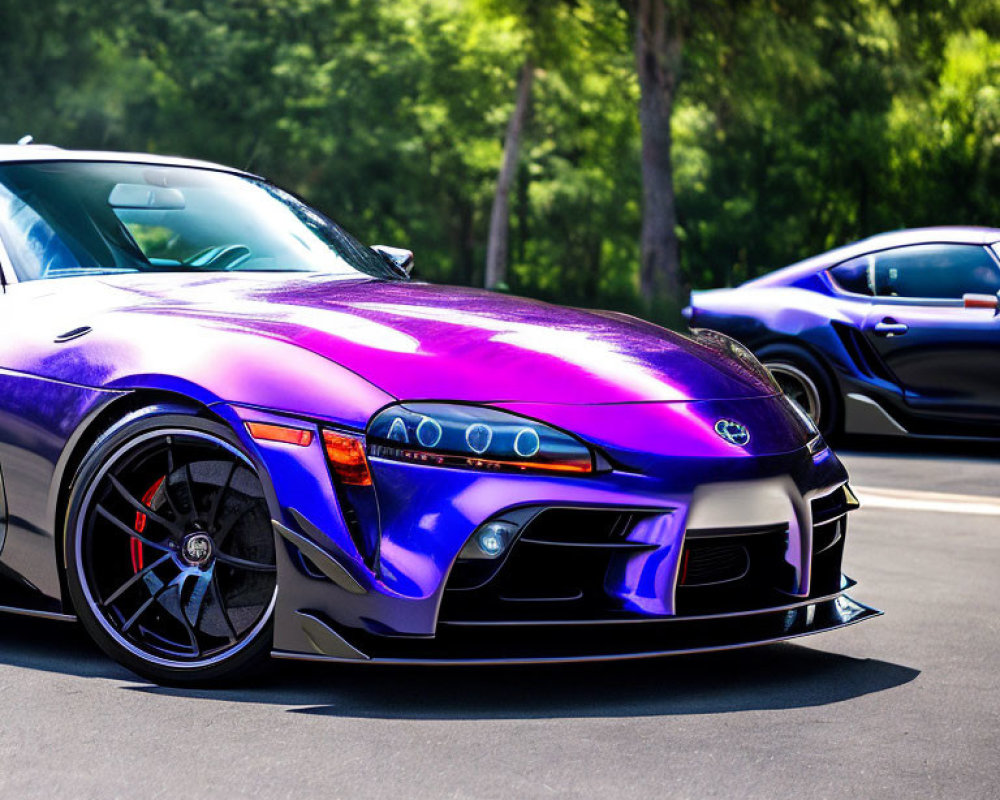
x: 861, y: 352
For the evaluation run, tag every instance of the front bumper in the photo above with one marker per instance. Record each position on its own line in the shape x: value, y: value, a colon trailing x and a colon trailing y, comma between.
x: 600, y: 621
x: 385, y: 583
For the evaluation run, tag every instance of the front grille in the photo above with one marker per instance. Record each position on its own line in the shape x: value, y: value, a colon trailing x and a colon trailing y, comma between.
x: 714, y: 564
x: 733, y: 570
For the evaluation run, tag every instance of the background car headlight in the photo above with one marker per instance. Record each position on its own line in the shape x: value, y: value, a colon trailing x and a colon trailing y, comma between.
x: 474, y: 437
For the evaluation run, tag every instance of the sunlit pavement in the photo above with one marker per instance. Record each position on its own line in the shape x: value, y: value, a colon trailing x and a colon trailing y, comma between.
x: 907, y: 705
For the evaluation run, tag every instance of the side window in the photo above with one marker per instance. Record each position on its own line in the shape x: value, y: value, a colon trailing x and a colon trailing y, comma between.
x: 935, y: 271
x: 855, y: 275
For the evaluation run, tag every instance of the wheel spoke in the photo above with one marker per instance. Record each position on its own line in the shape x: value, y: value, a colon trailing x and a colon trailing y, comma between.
x: 154, y: 597
x: 142, y: 573
x: 224, y: 533
x: 217, y: 597
x: 189, y: 482
x: 189, y: 629
x: 220, y: 495
x: 142, y: 508
x: 179, y: 582
x: 240, y: 563
x: 196, y: 603
x: 166, y: 481
x: 102, y: 511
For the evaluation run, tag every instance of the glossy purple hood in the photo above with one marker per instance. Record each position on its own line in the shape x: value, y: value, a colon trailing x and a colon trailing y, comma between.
x: 415, y: 340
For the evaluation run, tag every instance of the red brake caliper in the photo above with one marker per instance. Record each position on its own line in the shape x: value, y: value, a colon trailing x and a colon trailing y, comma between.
x: 140, y: 525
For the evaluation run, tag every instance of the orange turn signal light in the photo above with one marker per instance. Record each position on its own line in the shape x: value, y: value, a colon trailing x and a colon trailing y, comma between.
x: 266, y: 432
x: 347, y: 458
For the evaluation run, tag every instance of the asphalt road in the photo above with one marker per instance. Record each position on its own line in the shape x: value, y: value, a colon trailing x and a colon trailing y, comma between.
x: 907, y: 705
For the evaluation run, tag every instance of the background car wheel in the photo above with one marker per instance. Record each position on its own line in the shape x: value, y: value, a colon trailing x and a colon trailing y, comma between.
x: 169, y: 550
x: 804, y: 380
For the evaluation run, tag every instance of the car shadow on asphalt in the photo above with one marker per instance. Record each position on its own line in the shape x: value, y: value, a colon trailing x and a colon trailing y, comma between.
x: 774, y: 677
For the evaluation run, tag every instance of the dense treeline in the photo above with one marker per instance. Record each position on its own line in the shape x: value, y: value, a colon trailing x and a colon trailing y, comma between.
x: 783, y: 127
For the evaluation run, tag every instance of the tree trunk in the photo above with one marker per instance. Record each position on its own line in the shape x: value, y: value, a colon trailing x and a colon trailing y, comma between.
x: 466, y: 243
x: 498, y: 244
x: 658, y: 47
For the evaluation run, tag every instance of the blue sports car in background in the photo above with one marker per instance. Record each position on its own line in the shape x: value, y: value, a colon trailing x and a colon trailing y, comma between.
x: 894, y: 335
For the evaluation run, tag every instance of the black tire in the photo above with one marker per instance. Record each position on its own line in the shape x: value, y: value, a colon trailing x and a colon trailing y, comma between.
x: 147, y: 573
x: 806, y: 381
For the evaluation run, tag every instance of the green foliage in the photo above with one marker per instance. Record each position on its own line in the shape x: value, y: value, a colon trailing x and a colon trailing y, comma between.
x: 799, y: 125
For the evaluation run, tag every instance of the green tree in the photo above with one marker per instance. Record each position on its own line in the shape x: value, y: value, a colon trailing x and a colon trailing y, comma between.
x: 779, y: 128
x: 544, y: 28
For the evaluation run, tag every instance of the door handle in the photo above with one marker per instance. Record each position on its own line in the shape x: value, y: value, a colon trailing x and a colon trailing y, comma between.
x: 889, y: 327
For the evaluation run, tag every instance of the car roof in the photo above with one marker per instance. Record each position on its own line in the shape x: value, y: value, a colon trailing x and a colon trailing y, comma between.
x: 18, y: 153
x: 943, y: 234
x: 960, y: 234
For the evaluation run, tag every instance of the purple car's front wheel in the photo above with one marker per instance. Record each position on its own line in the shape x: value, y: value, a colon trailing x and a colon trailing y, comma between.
x: 169, y: 550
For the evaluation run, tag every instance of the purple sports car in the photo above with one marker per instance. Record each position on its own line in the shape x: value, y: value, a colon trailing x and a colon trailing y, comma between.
x: 896, y: 335
x: 228, y: 430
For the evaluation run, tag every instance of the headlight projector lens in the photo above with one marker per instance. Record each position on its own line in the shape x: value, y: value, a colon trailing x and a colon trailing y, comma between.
x: 478, y: 437
x: 429, y: 432
x: 527, y: 443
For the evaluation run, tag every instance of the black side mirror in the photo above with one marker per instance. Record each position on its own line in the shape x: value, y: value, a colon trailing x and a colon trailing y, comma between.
x: 401, y: 260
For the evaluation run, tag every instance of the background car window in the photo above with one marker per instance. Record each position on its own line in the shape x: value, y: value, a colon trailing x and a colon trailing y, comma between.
x: 854, y: 275
x: 935, y: 271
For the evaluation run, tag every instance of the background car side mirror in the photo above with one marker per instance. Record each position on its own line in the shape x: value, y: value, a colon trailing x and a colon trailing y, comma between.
x: 991, y: 301
x: 400, y: 259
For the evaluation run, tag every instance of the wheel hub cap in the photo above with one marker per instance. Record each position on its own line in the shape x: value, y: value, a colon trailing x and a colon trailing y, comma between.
x: 197, y: 549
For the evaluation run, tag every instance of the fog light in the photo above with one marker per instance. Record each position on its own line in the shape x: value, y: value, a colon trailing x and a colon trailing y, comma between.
x: 492, y: 540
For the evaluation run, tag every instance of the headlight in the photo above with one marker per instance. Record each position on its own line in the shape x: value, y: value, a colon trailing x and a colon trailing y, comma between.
x: 474, y: 437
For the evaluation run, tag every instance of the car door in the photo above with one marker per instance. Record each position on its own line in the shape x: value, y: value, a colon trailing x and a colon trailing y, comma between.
x: 941, y: 344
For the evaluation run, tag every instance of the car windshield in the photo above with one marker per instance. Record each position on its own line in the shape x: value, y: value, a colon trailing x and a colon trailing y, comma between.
x: 68, y: 218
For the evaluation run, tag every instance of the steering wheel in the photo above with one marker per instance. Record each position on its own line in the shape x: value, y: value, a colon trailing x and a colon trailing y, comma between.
x: 223, y: 258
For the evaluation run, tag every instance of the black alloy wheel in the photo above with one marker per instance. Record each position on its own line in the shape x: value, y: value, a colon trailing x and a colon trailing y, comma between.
x: 169, y: 550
